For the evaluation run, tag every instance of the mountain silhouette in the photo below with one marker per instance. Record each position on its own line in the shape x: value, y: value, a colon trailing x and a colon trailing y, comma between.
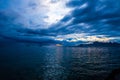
x: 100, y: 44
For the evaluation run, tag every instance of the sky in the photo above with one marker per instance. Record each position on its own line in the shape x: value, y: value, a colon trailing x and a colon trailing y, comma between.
x: 60, y: 20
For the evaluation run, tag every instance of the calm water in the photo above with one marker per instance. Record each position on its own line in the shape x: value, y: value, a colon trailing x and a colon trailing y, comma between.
x: 33, y: 62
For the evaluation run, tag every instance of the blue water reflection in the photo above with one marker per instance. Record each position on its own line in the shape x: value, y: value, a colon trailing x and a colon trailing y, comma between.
x: 27, y: 62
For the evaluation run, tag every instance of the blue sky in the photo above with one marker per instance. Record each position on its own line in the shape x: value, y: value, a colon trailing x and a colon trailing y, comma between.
x: 60, y: 20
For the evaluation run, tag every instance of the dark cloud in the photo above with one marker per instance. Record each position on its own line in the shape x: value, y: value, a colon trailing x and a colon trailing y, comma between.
x: 96, y: 17
x: 17, y: 32
x: 76, y: 3
x: 101, y: 17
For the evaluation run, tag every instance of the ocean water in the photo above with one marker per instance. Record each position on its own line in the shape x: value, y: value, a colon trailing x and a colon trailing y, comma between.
x: 35, y: 62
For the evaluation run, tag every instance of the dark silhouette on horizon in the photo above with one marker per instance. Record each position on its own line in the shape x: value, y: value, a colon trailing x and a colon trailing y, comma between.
x: 100, y: 44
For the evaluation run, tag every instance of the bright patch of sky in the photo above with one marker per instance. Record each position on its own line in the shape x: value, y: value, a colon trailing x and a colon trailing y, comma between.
x: 82, y: 37
x: 56, y: 10
x: 38, y: 13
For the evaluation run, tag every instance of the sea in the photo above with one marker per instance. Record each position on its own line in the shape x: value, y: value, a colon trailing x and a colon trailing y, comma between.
x: 49, y: 62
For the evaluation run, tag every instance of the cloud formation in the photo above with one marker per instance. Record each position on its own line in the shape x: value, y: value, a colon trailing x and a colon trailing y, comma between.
x: 92, y: 18
x: 40, y: 21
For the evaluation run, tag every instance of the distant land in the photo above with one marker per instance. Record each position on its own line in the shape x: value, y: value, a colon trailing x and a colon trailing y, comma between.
x: 100, y: 44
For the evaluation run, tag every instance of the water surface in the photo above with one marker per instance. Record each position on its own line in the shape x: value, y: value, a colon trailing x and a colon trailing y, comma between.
x: 34, y: 62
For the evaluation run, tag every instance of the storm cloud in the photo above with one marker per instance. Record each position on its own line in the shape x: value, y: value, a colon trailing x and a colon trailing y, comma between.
x: 34, y: 21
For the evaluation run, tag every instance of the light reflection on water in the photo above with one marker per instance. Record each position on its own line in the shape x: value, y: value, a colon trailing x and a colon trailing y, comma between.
x: 58, y: 63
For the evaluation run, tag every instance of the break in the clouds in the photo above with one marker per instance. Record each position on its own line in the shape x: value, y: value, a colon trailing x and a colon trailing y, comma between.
x: 59, y: 20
